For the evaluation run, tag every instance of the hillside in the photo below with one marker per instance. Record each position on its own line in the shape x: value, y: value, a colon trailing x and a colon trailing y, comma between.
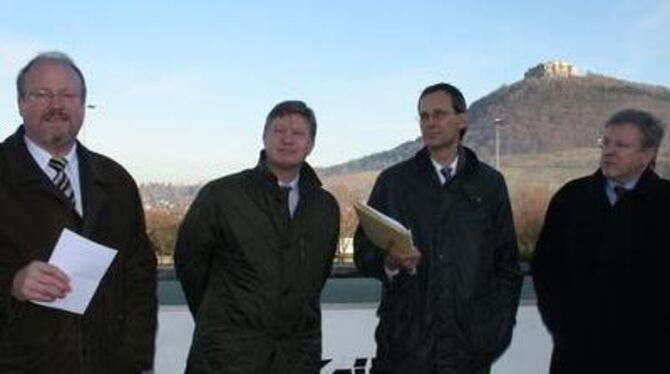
x: 540, y: 113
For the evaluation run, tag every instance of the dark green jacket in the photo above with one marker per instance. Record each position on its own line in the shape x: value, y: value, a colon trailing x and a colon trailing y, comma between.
x: 116, y: 333
x: 457, y: 313
x: 253, y: 276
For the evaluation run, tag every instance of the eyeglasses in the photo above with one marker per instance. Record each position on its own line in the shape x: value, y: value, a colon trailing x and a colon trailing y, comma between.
x: 617, y: 145
x: 437, y: 115
x: 46, y: 96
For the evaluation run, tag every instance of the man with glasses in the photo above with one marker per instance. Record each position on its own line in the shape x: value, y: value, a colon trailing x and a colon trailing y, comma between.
x: 50, y: 182
x: 449, y: 302
x: 253, y: 254
x: 600, y: 264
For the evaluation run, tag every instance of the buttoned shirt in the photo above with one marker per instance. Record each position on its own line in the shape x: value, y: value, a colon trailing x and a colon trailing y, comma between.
x: 42, y: 157
x: 293, y: 194
x: 610, y: 185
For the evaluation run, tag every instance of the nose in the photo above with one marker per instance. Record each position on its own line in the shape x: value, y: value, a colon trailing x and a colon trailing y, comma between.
x: 57, y: 101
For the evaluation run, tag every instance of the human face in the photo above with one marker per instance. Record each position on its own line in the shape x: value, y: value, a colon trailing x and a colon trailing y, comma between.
x: 622, y: 156
x: 52, y: 107
x: 287, y: 143
x: 440, y: 124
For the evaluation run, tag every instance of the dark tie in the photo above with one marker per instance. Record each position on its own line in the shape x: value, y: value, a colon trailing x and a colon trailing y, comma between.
x: 61, y: 180
x: 619, y: 191
x: 286, y: 190
x: 446, y: 173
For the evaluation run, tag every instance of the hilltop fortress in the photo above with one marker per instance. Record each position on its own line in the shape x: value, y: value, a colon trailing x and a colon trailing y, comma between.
x: 552, y: 69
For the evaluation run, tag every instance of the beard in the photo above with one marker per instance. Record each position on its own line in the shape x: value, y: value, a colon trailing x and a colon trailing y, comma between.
x: 59, y: 129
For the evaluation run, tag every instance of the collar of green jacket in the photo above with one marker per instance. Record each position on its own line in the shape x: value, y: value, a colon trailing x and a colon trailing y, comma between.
x: 308, y: 178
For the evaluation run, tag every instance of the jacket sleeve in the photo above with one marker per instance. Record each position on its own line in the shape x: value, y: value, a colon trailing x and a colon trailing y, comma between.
x: 9, y: 307
x: 140, y: 304
x: 196, y: 240
x: 549, y: 268
x: 335, y: 239
x: 492, y: 316
x: 369, y: 258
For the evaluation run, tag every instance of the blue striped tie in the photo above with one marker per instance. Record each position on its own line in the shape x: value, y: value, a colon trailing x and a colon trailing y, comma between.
x: 61, y: 180
x: 447, y: 174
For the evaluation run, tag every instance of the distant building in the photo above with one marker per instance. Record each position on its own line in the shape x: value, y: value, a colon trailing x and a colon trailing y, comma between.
x: 552, y: 69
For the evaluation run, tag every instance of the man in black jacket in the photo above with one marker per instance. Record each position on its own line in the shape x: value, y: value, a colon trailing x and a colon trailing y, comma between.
x: 253, y: 254
x: 50, y: 182
x: 600, y: 264
x: 449, y: 304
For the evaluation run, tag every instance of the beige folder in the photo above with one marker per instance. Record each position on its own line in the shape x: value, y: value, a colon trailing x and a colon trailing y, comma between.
x: 382, y: 229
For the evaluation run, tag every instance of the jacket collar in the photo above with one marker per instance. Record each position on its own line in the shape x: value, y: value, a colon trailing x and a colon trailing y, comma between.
x: 22, y: 170
x: 308, y: 178
x: 467, y: 162
x: 21, y: 166
x: 644, y: 186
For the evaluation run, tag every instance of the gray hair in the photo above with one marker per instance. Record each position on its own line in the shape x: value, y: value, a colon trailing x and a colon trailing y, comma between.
x: 651, y: 128
x: 292, y: 107
x: 53, y: 56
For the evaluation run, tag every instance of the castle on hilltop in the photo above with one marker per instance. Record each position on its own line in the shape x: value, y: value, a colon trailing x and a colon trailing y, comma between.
x: 552, y: 69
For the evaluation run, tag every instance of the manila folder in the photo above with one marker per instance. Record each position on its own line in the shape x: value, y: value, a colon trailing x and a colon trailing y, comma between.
x: 382, y: 229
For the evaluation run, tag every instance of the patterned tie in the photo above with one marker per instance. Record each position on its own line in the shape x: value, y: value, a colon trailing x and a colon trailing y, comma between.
x: 446, y: 173
x: 61, y: 180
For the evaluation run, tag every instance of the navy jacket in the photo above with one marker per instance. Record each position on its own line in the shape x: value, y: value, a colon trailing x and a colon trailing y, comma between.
x: 457, y: 313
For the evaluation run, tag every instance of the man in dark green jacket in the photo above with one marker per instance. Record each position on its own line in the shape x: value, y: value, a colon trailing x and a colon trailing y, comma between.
x: 50, y: 182
x: 449, y: 303
x: 253, y: 254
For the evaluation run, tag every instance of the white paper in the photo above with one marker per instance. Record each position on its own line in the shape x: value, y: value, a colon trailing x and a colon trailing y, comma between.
x: 85, y: 262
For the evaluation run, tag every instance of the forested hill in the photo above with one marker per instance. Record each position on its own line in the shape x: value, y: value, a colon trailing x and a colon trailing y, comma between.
x: 544, y: 112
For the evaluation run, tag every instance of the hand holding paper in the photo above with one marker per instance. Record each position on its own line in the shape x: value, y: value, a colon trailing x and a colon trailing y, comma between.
x: 41, y: 282
x: 388, y: 234
x: 85, y: 262
x: 401, y: 258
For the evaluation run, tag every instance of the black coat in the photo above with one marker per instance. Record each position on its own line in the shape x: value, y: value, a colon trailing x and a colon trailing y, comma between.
x: 116, y: 333
x: 600, y: 273
x: 457, y: 313
x: 253, y: 276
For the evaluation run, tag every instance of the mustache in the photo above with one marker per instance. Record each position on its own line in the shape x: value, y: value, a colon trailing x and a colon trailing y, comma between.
x: 57, y: 114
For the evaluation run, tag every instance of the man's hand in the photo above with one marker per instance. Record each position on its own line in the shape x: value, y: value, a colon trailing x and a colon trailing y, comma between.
x: 397, y: 257
x: 40, y: 281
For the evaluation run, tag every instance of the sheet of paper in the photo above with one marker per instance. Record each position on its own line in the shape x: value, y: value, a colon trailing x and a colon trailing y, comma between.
x: 85, y: 262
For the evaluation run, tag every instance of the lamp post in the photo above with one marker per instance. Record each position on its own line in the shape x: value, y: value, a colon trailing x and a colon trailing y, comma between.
x: 497, y: 122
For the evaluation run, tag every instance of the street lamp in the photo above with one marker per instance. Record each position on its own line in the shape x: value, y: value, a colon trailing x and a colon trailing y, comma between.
x: 497, y: 122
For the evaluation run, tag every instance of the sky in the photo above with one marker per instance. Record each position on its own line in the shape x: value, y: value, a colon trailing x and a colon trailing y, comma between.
x: 181, y: 88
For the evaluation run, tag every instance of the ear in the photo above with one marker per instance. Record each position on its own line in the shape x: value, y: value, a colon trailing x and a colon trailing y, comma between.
x: 649, y: 156
x: 22, y: 106
x: 311, y: 147
x: 462, y: 120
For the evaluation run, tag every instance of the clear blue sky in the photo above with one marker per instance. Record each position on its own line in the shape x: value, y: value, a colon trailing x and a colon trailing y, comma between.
x: 182, y: 87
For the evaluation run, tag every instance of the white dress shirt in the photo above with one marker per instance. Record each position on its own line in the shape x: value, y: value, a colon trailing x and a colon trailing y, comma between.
x: 42, y: 158
x: 293, y: 194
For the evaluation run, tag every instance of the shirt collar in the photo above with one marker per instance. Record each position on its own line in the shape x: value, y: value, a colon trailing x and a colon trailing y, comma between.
x: 42, y: 157
x: 438, y: 167
x: 629, y: 185
x: 293, y: 183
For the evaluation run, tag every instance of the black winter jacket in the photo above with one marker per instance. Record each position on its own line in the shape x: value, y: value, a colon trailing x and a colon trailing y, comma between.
x: 116, y: 333
x: 600, y: 274
x: 457, y: 313
x: 253, y: 276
